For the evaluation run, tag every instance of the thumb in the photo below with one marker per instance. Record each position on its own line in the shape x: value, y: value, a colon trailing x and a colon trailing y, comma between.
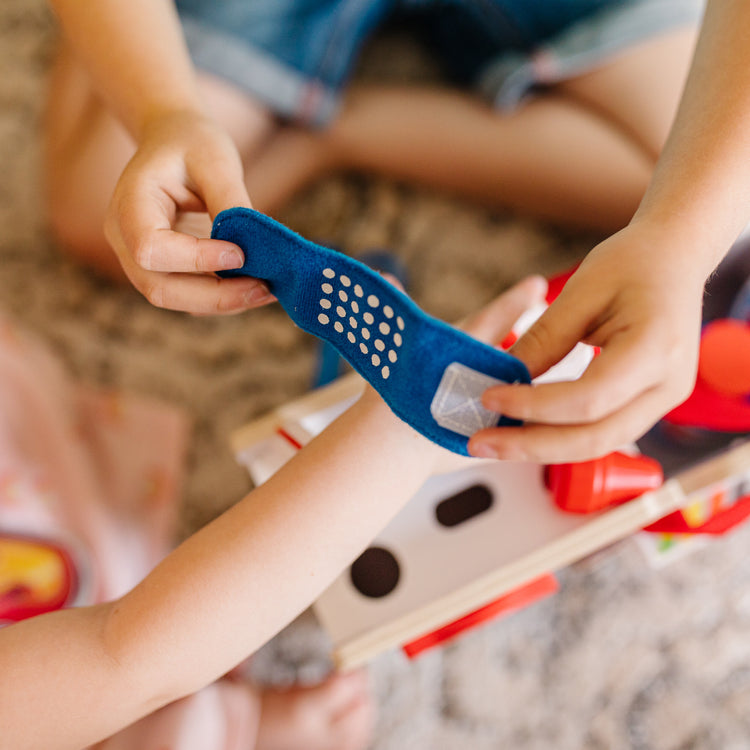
x: 551, y: 337
x: 222, y: 184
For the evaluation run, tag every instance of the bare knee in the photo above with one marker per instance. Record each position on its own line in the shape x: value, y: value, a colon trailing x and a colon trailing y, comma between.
x: 76, y: 200
x: 77, y: 192
x: 81, y: 236
x: 85, y: 149
x: 616, y: 91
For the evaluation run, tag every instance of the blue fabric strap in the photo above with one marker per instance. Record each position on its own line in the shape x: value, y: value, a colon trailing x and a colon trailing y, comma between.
x: 430, y: 374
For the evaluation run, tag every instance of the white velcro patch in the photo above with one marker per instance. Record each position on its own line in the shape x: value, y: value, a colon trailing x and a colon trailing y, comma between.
x: 457, y: 404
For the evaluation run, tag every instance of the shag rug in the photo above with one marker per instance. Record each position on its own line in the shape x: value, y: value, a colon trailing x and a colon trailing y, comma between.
x: 623, y: 656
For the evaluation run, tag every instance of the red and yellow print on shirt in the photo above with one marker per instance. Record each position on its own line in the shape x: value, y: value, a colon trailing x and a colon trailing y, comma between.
x: 36, y: 576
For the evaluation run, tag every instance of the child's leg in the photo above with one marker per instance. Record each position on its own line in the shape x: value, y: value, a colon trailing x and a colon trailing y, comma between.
x: 639, y: 91
x: 552, y: 158
x: 83, y: 149
x: 87, y: 149
x: 581, y: 154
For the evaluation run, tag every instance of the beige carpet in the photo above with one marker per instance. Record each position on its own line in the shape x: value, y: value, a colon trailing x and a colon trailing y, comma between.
x: 622, y: 657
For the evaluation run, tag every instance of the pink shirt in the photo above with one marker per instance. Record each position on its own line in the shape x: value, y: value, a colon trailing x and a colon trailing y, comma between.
x: 89, y: 490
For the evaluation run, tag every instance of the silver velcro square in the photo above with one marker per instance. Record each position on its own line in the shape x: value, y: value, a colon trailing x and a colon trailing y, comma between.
x: 457, y: 404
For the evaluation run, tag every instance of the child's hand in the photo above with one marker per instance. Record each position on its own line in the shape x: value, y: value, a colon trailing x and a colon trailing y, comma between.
x: 638, y: 296
x: 491, y: 324
x: 495, y: 320
x: 185, y: 163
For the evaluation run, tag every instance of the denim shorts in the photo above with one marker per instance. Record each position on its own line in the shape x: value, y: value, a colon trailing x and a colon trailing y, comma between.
x: 295, y: 56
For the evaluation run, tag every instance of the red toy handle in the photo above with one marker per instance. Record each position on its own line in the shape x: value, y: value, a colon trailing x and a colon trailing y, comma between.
x: 721, y: 523
x: 510, y: 602
x: 589, y: 486
x: 721, y: 397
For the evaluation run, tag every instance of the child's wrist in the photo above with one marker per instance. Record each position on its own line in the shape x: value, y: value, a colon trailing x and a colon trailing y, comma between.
x: 694, y: 242
x: 374, y: 412
x: 423, y: 453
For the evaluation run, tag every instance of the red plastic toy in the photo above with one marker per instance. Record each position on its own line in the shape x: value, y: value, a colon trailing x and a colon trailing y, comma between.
x: 721, y: 397
x: 36, y: 576
x: 590, y: 486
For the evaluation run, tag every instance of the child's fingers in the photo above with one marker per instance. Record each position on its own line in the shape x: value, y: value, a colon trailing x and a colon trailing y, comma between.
x: 494, y: 322
x: 343, y: 689
x: 201, y: 294
x: 139, y: 227
x: 391, y: 279
x: 173, y: 252
x: 551, y: 337
x: 220, y: 181
x: 621, y: 374
x: 173, y: 269
x: 556, y: 443
x: 142, y: 220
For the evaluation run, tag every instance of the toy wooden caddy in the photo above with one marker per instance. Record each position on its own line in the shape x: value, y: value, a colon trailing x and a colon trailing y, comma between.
x: 483, y: 541
x: 474, y: 544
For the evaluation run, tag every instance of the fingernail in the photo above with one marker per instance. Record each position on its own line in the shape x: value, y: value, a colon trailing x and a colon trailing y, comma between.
x: 491, y: 401
x: 258, y: 294
x: 232, y: 259
x: 538, y: 283
x: 482, y: 450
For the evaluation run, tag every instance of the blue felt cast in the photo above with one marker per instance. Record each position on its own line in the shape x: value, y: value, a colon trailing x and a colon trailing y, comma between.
x: 430, y: 374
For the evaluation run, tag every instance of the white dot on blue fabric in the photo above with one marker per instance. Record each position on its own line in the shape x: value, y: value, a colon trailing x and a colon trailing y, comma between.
x: 325, y: 304
x: 345, y: 280
x: 379, y: 345
x: 392, y: 355
x: 340, y: 312
x: 375, y: 360
x: 363, y: 348
x: 368, y: 318
x: 373, y: 301
x: 388, y: 311
x: 338, y: 327
x: 400, y: 323
x: 384, y: 328
x: 323, y: 318
x: 355, y: 306
x: 329, y: 273
x: 343, y: 296
x: 327, y: 288
x: 353, y: 322
x: 397, y: 339
x: 386, y: 371
x: 358, y: 290
x: 351, y: 337
x: 365, y: 333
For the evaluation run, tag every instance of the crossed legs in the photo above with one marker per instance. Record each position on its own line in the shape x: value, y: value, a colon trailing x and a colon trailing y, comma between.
x: 579, y: 155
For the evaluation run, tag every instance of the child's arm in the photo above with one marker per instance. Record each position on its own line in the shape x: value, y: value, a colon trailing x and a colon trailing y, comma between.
x: 136, y: 54
x: 82, y: 674
x: 638, y: 295
x: 70, y: 678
